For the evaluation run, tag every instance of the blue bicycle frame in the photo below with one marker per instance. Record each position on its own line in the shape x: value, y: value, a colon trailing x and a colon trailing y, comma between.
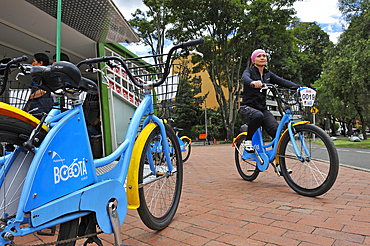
x: 268, y: 156
x: 61, y: 183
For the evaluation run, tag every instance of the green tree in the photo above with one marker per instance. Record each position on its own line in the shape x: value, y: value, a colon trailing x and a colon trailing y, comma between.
x: 152, y: 25
x: 187, y: 109
x: 346, y: 73
x: 353, y: 8
x: 311, y: 42
x: 232, y: 30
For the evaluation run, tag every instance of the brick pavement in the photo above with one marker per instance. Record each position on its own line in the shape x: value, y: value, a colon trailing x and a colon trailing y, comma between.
x: 217, y: 207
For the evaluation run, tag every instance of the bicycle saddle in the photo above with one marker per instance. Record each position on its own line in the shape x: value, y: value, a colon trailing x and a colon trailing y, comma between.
x: 61, y: 75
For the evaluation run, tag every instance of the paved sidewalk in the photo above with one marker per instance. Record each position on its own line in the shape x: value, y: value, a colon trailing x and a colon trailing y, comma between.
x: 218, y: 207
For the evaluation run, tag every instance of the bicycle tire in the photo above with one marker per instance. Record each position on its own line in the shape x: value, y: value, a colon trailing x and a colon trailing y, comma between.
x: 247, y: 169
x: 79, y: 229
x: 68, y: 230
x: 315, y: 175
x: 15, y: 128
x: 13, y: 134
x: 153, y: 213
x: 186, y: 154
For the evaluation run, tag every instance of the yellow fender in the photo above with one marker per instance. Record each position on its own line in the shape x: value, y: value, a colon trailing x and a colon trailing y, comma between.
x: 186, y: 138
x: 281, y: 138
x: 235, y: 140
x: 11, y: 111
x: 133, y: 171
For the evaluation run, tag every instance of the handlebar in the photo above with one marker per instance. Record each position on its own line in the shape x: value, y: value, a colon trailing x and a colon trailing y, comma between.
x: 130, y: 75
x: 191, y: 43
x: 4, y: 79
x: 266, y: 86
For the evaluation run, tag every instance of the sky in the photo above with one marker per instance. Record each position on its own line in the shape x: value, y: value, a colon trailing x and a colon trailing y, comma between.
x: 324, y: 12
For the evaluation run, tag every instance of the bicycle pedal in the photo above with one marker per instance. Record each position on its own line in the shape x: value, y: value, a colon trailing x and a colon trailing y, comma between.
x: 278, y: 170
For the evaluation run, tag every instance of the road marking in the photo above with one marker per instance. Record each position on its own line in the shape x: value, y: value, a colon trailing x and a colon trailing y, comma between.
x: 366, y: 152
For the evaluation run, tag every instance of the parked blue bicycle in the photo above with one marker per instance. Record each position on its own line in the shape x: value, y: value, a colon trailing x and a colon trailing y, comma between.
x: 304, y: 154
x: 48, y: 174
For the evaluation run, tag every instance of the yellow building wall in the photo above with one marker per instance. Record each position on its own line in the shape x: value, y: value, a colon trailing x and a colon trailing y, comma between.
x: 206, y: 86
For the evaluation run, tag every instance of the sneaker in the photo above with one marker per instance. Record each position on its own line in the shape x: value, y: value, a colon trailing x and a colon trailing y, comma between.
x: 279, y: 169
x: 248, y: 146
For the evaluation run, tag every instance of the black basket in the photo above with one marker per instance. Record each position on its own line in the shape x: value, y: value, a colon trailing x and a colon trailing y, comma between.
x: 170, y: 93
x: 28, y: 97
x: 17, y: 94
x: 291, y: 96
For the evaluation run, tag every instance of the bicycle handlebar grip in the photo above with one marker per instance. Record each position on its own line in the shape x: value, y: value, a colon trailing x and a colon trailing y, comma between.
x: 193, y: 42
x: 252, y: 85
x: 92, y: 60
x: 19, y: 59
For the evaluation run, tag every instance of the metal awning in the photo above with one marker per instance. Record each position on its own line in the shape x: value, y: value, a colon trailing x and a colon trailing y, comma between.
x: 99, y: 20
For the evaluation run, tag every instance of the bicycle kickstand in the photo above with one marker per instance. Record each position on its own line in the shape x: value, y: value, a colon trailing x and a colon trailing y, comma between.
x: 112, y: 209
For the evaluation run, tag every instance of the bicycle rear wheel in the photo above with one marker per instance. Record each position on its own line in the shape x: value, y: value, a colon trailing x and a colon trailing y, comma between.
x: 160, y: 192
x: 68, y: 230
x: 76, y: 229
x: 247, y: 169
x: 185, y: 154
x: 13, y: 132
x: 316, y: 174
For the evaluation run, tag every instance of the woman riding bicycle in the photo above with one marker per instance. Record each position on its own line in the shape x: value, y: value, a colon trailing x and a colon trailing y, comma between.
x: 253, y: 110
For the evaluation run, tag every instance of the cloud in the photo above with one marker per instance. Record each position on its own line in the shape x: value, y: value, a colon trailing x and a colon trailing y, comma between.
x: 127, y: 7
x: 139, y: 49
x: 324, y: 12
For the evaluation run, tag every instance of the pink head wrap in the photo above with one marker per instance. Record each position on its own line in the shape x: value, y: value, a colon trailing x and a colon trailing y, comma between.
x: 255, y: 53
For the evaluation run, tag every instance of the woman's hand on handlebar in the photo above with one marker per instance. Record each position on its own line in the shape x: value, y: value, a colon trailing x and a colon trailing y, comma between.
x: 256, y: 84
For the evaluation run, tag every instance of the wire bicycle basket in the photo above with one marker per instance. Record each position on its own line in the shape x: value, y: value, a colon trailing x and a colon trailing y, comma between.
x: 170, y: 93
x: 292, y: 99
x: 17, y: 94
x: 33, y: 100
x: 28, y: 97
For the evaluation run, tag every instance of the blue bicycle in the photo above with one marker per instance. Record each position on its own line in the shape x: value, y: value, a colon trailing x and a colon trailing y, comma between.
x: 304, y: 154
x: 48, y: 174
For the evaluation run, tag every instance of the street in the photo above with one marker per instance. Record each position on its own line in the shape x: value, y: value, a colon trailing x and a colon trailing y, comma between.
x: 353, y: 157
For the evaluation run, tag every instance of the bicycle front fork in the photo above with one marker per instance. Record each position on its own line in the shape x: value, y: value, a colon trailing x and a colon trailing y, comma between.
x: 301, y: 138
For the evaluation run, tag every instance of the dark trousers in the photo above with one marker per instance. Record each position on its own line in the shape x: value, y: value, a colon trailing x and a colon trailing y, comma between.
x: 256, y: 118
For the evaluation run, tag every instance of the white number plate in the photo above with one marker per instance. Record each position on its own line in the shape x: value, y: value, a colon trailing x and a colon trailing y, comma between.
x: 308, y: 96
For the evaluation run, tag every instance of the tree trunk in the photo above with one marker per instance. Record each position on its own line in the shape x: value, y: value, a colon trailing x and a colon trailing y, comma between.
x: 349, y: 127
x: 359, y: 111
x: 343, y: 125
x: 363, y: 126
x: 332, y: 119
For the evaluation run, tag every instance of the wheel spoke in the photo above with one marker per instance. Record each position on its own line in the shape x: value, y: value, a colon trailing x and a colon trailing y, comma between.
x: 160, y: 193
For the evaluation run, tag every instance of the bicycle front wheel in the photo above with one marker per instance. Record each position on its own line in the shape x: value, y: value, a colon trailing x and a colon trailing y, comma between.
x: 317, y: 172
x: 159, y: 190
x: 247, y: 168
x: 185, y: 154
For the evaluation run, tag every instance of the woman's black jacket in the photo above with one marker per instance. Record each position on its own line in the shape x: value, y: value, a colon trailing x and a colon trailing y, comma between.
x: 252, y: 97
